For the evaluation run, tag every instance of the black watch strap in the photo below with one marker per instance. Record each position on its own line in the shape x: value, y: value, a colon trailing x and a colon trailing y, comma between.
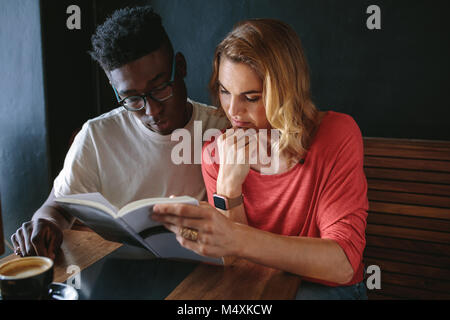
x: 224, y: 203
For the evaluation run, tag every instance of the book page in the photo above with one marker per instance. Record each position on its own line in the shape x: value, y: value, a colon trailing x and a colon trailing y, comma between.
x: 137, y: 215
x: 150, y: 202
x: 94, y: 200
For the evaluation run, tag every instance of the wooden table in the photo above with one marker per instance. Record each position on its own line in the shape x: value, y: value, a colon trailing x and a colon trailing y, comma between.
x: 239, y: 281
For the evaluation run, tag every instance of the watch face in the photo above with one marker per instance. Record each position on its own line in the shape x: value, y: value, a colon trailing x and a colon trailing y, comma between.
x: 219, y: 202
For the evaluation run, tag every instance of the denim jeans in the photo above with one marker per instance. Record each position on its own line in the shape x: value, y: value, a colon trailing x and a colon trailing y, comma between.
x: 316, y: 291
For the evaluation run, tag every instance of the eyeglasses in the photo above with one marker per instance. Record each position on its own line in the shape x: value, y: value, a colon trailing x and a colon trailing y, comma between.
x: 159, y: 94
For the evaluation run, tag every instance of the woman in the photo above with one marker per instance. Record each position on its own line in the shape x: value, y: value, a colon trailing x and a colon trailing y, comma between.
x: 306, y: 215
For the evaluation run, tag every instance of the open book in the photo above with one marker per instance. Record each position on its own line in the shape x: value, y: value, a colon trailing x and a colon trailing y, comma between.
x: 131, y: 224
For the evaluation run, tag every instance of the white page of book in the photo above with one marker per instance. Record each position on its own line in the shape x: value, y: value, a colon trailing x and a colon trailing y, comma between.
x: 92, y: 197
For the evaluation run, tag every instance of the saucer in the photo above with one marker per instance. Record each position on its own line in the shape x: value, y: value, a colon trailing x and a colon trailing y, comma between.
x: 62, y: 291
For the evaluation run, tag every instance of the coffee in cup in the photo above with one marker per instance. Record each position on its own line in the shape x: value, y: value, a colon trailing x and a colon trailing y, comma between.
x: 26, y: 278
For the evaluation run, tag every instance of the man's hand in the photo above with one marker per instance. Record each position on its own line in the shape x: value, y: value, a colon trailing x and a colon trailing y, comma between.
x: 40, y: 237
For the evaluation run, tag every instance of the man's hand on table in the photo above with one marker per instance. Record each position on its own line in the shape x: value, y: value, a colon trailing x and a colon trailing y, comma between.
x: 40, y: 237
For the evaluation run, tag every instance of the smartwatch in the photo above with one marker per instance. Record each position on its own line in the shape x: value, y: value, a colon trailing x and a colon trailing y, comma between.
x: 224, y: 203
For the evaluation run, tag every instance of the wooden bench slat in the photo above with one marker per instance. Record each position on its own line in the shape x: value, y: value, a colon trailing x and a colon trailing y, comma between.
x: 424, y: 258
x: 411, y: 293
x: 414, y: 293
x: 375, y: 295
x: 416, y: 246
x: 410, y: 187
x: 409, y: 269
x: 408, y: 175
x: 414, y: 282
x: 408, y: 198
x: 408, y: 225
x: 410, y: 164
x: 408, y: 153
x: 432, y: 150
x: 406, y: 143
x: 409, y: 210
x: 408, y: 222
x: 408, y: 233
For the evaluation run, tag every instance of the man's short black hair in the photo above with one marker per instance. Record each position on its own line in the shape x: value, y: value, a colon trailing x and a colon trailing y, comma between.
x: 129, y: 34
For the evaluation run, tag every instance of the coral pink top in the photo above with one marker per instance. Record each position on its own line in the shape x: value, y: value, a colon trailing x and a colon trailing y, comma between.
x: 325, y: 197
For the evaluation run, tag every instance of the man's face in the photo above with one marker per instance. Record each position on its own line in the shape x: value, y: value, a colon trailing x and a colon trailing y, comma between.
x: 144, y: 75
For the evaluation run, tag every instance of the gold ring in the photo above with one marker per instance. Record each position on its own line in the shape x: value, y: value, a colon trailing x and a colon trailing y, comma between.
x: 190, y: 234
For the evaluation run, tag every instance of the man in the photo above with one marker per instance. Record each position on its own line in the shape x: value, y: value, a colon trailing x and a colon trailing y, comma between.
x: 125, y: 154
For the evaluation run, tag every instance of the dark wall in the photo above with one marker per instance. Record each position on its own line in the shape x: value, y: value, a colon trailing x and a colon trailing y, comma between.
x: 76, y: 87
x: 393, y: 81
x: 24, y: 171
x: 71, y: 77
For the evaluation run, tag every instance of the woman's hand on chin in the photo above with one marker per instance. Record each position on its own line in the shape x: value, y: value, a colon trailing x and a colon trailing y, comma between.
x: 234, y: 149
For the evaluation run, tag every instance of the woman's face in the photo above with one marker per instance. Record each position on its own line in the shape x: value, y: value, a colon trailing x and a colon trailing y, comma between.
x: 240, y: 93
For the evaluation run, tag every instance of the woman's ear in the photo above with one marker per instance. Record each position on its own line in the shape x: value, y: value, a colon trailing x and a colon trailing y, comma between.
x: 181, y: 64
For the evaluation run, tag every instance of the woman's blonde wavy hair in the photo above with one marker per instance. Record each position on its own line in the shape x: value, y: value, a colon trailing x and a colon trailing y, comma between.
x: 274, y: 51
